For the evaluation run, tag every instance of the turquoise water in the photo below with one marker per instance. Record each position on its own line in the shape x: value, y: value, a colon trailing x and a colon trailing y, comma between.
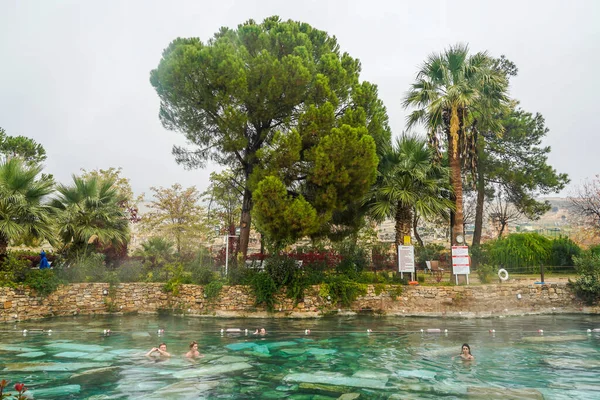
x: 395, y: 361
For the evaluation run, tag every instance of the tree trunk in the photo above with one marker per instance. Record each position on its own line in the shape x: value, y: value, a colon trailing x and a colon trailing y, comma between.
x: 502, y: 226
x: 456, y: 183
x: 415, y: 224
x: 479, y: 208
x: 245, y: 222
x: 177, y: 243
x: 403, y: 222
x: 454, y: 133
x: 3, y: 244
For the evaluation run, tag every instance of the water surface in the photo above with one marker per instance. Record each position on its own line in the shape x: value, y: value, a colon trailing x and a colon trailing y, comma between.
x: 396, y: 360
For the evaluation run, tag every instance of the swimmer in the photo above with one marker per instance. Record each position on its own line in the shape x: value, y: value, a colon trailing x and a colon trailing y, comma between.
x: 466, y: 353
x: 161, y: 350
x: 193, y: 353
x: 261, y: 332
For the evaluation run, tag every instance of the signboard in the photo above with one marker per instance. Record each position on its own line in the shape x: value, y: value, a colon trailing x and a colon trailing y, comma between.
x: 461, y: 261
x: 406, y: 259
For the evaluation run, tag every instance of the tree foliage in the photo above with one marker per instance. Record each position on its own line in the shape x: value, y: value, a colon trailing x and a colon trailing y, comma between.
x: 20, y: 146
x: 89, y: 212
x: 456, y: 95
x: 129, y: 203
x: 512, y: 167
x: 24, y: 212
x: 515, y: 165
x: 282, y: 218
x: 586, y: 203
x: 587, y: 285
x: 175, y: 213
x: 521, y: 252
x: 224, y: 198
x: 409, y: 181
x: 501, y: 210
x: 156, y: 252
x: 274, y: 99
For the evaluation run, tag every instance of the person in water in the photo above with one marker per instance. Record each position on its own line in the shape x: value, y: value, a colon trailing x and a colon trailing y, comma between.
x: 193, y: 353
x: 161, y: 351
x: 261, y: 332
x: 466, y: 353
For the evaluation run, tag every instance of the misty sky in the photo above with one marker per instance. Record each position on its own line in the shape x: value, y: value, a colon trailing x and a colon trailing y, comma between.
x: 74, y: 74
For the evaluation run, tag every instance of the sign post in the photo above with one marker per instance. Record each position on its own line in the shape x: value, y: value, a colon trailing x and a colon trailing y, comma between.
x: 461, y: 262
x: 406, y: 260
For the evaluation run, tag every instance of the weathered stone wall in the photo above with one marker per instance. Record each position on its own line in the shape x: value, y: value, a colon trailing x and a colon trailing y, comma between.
x: 237, y: 301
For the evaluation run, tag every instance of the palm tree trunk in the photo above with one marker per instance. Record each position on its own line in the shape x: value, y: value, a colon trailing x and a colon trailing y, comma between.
x: 403, y: 222
x: 3, y: 244
x: 455, y: 176
x: 479, y: 208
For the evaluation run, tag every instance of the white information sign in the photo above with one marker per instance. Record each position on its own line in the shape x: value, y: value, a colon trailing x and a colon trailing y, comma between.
x: 406, y: 259
x: 461, y: 262
x: 460, y: 251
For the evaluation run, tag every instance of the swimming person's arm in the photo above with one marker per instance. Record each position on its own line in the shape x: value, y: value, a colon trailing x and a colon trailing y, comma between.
x: 152, y: 350
x: 164, y: 353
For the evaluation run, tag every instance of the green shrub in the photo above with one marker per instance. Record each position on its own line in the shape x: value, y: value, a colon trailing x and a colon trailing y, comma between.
x: 177, y: 276
x: 172, y: 286
x: 431, y: 251
x: 485, y: 272
x: 83, y: 268
x: 43, y: 281
x: 587, y: 263
x: 401, y: 279
x: 420, y: 279
x: 212, y: 290
x: 480, y: 254
x: 587, y: 285
x: 203, y: 275
x: 373, y: 277
x: 587, y: 288
x: 353, y: 259
x: 395, y: 291
x: 240, y: 275
x: 595, y: 249
x: 202, y: 267
x: 313, y: 276
x: 281, y: 269
x: 203, y: 258
x: 340, y: 289
x: 378, y: 288
x: 264, y: 290
x: 13, y: 270
x: 563, y: 251
x: 520, y: 252
x: 304, y: 278
x: 130, y: 271
x: 296, y: 288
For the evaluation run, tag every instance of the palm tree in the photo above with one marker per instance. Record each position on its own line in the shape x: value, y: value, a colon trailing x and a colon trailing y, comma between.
x: 23, y: 211
x: 89, y: 212
x: 408, y: 180
x: 455, y: 96
x: 156, y: 251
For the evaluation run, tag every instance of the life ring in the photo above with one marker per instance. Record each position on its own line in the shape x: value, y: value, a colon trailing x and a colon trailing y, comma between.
x: 503, y: 274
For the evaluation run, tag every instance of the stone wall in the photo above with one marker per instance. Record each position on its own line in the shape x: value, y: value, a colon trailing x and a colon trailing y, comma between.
x: 237, y: 301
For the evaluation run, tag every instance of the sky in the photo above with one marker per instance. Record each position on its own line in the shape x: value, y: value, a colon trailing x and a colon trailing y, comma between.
x: 74, y: 75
